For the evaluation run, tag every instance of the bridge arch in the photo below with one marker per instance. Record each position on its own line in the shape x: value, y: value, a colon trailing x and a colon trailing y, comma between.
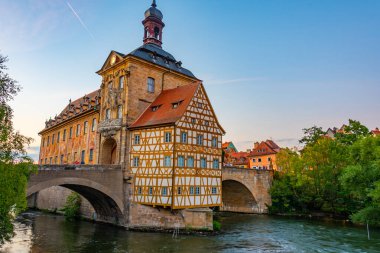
x: 108, y: 206
x: 237, y: 197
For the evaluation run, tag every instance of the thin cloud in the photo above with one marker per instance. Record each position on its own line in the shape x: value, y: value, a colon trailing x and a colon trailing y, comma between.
x: 236, y: 80
x: 80, y: 20
x: 287, y: 140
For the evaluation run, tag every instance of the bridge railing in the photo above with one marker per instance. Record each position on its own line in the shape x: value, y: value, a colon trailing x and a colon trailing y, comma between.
x: 87, y: 167
x: 239, y: 168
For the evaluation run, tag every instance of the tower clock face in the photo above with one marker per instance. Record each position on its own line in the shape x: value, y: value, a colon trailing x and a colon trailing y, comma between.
x: 113, y: 59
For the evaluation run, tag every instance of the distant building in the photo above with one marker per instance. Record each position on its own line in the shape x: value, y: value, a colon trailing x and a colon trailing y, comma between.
x: 263, y: 155
x: 239, y: 159
x: 375, y: 132
x: 331, y: 132
x: 229, y: 147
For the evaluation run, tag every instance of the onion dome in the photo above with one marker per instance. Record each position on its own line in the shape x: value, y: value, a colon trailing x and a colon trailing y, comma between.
x: 153, y: 11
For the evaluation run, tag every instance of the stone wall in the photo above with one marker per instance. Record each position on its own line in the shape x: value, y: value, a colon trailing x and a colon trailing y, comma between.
x: 54, y: 199
x: 147, y: 217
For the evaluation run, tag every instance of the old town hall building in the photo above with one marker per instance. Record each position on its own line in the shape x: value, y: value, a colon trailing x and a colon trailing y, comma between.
x: 151, y: 116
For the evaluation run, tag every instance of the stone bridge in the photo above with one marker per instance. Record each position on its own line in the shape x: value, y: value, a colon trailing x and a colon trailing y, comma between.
x: 102, y: 186
x: 243, y: 190
x: 246, y: 190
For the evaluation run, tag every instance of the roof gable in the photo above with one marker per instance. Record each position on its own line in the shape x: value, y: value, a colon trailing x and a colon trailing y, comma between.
x: 265, y: 148
x: 112, y: 59
x: 200, y: 97
x: 168, y: 107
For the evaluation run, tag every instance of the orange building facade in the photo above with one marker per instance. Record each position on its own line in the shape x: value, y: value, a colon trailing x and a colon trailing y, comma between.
x: 263, y: 155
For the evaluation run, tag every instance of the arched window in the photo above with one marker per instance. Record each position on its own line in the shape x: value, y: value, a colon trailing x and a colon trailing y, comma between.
x: 156, y: 32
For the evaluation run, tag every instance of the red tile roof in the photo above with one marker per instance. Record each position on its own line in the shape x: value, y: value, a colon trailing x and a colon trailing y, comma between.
x: 376, y: 131
x: 165, y: 113
x: 74, y: 109
x: 239, y: 155
x: 267, y: 147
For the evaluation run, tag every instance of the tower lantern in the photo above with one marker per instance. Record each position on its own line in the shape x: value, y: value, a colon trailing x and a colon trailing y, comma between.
x: 153, y: 25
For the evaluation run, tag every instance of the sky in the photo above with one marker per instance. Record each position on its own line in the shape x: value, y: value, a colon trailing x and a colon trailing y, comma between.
x: 270, y: 68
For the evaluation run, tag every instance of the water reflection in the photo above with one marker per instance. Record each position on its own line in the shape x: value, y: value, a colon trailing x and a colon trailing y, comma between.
x: 38, y: 232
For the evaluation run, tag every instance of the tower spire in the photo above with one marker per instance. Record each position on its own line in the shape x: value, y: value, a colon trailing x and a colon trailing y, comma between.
x: 153, y: 25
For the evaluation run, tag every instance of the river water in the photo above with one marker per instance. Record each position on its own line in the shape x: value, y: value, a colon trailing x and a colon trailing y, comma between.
x: 40, y: 232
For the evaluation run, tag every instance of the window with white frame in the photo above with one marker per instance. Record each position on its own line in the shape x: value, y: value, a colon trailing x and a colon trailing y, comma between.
x: 197, y: 190
x: 121, y: 82
x: 136, y: 161
x: 164, y: 191
x: 190, y: 162
x: 136, y: 139
x: 200, y: 139
x: 203, y: 163
x: 150, y: 85
x: 181, y: 161
x: 183, y: 137
x: 167, y: 161
x: 168, y: 137
x: 150, y: 191
x: 191, y: 190
x: 91, y: 156
x: 85, y: 127
x: 93, y: 128
x: 214, y: 190
x: 179, y: 190
x: 214, y: 142
x: 215, y: 164
x: 78, y: 129
x: 139, y: 190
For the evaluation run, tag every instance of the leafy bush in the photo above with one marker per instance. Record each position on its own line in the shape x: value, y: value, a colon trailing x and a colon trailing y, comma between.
x: 216, y: 225
x: 72, y: 206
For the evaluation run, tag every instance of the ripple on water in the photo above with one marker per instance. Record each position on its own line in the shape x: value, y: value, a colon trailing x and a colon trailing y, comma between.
x: 38, y: 232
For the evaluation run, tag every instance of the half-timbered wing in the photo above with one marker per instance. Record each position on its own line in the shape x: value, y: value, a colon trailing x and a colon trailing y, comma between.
x: 176, y: 151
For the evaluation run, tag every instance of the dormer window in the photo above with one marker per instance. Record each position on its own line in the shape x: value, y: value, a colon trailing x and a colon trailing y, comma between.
x: 176, y: 104
x: 155, y: 108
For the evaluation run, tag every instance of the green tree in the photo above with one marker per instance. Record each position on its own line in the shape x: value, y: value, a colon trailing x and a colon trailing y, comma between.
x: 353, y: 132
x: 312, y: 135
x: 362, y: 180
x: 15, y: 165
